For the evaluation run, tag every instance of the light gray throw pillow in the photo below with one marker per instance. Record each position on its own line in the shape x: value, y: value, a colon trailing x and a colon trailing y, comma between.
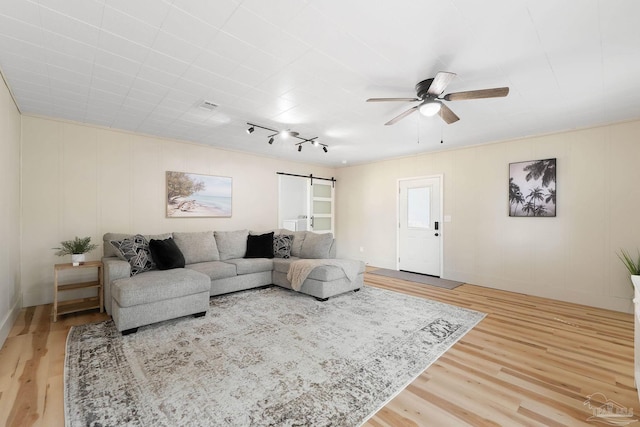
x: 316, y: 245
x: 197, y: 246
x: 231, y: 244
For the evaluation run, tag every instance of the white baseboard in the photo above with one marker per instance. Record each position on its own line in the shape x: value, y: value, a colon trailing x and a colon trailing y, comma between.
x: 9, y: 320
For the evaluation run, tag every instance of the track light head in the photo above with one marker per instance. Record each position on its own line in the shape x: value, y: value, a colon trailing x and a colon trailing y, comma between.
x: 324, y: 148
x: 270, y: 140
x: 315, y: 143
x: 299, y: 148
x: 250, y: 130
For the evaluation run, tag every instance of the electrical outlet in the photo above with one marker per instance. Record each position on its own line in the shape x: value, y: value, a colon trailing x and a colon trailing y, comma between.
x: 361, y: 249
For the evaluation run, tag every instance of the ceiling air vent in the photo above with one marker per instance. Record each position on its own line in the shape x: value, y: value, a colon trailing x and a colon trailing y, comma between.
x: 208, y: 105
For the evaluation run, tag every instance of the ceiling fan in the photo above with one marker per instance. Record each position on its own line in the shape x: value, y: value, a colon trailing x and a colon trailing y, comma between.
x: 429, y: 93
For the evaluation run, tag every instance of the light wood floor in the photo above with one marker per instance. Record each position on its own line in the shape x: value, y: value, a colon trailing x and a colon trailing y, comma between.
x: 531, y: 361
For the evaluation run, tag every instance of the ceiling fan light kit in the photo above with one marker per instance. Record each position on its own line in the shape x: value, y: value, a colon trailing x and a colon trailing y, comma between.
x: 287, y: 133
x: 429, y: 108
x: 429, y: 93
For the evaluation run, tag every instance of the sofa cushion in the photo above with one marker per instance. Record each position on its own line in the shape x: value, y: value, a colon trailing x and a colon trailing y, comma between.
x: 135, y: 251
x: 316, y: 245
x: 251, y: 265
x: 231, y: 244
x: 158, y: 285
x: 282, y: 245
x: 298, y: 239
x: 282, y: 264
x: 197, y: 246
x: 166, y: 254
x: 260, y: 246
x: 325, y: 273
x: 214, y: 269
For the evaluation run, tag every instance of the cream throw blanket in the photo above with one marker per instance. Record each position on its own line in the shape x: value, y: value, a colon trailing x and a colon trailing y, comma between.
x: 300, y: 269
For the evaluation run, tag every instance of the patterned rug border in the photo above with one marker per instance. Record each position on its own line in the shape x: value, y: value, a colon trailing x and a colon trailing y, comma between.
x: 451, y: 344
x: 452, y: 339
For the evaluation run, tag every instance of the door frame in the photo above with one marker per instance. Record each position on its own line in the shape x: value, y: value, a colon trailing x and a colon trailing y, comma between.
x: 442, y: 234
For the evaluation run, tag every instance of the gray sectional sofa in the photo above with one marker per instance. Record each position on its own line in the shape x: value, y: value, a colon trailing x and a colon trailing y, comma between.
x: 215, y: 264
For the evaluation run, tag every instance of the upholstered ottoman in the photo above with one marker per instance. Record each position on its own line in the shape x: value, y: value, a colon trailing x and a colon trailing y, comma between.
x: 158, y: 295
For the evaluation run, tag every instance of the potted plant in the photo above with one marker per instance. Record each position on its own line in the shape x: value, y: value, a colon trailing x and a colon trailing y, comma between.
x: 633, y: 265
x: 76, y: 248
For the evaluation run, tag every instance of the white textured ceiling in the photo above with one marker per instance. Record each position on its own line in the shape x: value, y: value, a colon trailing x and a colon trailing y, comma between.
x: 146, y: 65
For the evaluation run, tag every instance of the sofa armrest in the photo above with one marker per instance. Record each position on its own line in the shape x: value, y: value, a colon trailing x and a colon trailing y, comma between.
x: 114, y: 269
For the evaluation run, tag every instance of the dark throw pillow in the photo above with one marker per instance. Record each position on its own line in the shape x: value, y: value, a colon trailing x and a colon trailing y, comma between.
x: 260, y: 246
x: 166, y: 254
x: 282, y: 245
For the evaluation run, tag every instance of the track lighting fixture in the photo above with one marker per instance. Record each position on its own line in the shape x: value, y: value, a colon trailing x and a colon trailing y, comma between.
x: 288, y: 133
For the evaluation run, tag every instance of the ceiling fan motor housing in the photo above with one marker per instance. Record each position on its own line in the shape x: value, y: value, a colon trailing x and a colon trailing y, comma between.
x: 423, y: 87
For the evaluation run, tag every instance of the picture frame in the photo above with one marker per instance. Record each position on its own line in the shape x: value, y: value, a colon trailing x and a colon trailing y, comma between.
x: 532, y: 188
x: 191, y: 195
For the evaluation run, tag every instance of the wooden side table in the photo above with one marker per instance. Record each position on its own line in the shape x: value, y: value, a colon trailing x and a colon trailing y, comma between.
x: 72, y: 306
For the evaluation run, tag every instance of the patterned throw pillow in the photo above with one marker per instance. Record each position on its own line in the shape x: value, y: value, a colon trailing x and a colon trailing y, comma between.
x: 136, y: 251
x: 282, y: 245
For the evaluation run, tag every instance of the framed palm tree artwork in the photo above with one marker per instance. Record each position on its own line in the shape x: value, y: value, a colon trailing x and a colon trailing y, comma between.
x: 532, y: 188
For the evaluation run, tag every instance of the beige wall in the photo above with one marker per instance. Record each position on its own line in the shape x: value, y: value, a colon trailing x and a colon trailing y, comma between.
x: 571, y: 257
x: 10, y: 292
x: 84, y: 181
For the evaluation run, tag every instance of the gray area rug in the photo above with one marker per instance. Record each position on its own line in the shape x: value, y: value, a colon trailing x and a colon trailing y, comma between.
x: 268, y: 357
x: 417, y: 278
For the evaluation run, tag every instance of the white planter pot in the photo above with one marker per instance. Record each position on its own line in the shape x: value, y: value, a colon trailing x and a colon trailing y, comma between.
x: 636, y: 285
x: 77, y: 259
x: 636, y: 301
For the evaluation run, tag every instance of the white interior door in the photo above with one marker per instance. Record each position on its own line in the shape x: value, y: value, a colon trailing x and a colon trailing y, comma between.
x: 420, y: 225
x: 321, y: 206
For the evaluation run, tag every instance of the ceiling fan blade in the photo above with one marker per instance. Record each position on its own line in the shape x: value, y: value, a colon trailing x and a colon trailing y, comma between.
x: 448, y: 115
x: 392, y: 99
x: 440, y: 82
x: 401, y: 116
x: 497, y: 92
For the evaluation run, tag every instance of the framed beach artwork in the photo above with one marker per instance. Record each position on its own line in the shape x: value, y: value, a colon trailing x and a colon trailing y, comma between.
x: 532, y: 188
x: 191, y: 195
